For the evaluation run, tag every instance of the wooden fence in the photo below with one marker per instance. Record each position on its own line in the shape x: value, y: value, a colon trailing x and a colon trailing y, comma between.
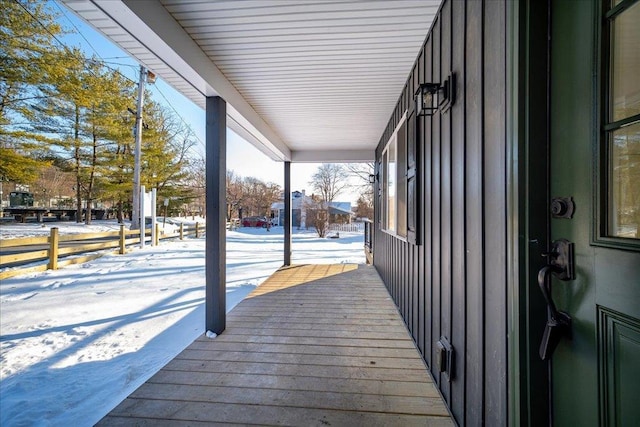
x: 107, y: 240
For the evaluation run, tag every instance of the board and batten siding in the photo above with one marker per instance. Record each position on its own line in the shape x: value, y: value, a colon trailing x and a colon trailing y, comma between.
x: 452, y: 282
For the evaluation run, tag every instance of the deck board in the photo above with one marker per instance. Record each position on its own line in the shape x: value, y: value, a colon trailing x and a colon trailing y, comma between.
x: 313, y: 345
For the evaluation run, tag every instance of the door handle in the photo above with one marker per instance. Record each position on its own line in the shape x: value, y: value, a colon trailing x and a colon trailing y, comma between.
x: 560, y: 265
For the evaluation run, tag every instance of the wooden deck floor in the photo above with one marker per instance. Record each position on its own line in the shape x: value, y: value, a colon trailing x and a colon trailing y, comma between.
x: 314, y: 345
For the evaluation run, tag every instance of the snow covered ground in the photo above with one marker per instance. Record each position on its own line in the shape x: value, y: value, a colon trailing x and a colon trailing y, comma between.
x: 76, y: 341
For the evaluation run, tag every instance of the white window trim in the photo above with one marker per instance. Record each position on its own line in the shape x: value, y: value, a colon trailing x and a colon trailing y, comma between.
x: 393, y: 138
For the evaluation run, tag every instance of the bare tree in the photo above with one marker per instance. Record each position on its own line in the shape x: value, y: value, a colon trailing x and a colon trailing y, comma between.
x: 259, y: 196
x: 328, y: 182
x: 196, y: 182
x: 362, y: 171
x: 235, y: 194
x: 53, y: 184
x: 364, y: 208
x: 317, y: 215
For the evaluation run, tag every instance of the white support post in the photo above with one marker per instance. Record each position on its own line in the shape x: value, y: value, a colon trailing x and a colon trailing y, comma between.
x: 154, y: 193
x: 142, y: 215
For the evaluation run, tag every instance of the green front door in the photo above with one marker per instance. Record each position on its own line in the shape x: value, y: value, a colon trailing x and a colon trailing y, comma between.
x: 595, y: 160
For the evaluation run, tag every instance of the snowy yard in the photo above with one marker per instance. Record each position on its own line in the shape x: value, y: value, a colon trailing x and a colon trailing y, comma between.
x: 76, y: 341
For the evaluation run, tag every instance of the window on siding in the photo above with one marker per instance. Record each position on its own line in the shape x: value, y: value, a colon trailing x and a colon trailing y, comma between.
x: 391, y: 184
x: 383, y: 186
x: 394, y: 182
x: 401, y: 190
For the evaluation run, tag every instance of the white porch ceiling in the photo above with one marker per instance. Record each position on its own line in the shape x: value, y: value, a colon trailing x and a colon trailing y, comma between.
x: 313, y: 80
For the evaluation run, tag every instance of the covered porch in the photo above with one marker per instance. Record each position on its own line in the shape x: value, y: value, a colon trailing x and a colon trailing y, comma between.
x: 302, y: 82
x: 479, y: 125
x: 313, y: 345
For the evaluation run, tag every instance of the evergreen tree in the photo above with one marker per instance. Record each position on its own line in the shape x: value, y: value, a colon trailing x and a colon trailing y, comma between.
x: 81, y: 121
x: 30, y: 57
x: 165, y: 148
x: 56, y: 106
x: 111, y: 93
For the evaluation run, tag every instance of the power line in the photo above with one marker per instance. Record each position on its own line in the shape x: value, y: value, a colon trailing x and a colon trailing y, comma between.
x: 122, y: 64
x: 74, y: 26
x: 65, y: 47
x: 180, y: 116
x: 118, y: 57
x: 102, y: 61
x: 129, y: 65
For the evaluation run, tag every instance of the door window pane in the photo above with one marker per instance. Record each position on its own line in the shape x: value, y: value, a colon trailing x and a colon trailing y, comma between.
x: 624, y: 206
x: 625, y: 64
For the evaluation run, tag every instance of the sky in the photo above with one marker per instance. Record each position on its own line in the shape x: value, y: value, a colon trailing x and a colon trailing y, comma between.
x: 244, y: 159
x: 69, y: 364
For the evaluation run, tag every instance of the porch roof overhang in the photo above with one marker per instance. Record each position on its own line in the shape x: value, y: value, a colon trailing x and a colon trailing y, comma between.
x: 303, y: 81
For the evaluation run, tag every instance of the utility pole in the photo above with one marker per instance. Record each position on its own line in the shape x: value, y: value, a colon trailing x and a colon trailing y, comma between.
x: 135, y: 219
x: 145, y: 76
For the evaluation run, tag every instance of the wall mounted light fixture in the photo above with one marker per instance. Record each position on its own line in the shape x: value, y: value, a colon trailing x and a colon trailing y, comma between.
x: 431, y: 97
x: 427, y: 99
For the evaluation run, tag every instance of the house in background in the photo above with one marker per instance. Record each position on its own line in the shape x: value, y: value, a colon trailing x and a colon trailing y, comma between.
x: 506, y: 138
x: 339, y: 212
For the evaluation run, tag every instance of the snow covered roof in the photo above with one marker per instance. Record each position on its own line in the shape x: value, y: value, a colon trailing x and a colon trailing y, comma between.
x: 341, y: 207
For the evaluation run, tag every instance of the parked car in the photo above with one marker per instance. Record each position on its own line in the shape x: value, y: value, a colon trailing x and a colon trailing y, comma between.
x: 254, y: 221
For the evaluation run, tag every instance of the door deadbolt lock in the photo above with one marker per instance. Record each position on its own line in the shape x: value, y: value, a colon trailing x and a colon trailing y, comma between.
x: 562, y: 207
